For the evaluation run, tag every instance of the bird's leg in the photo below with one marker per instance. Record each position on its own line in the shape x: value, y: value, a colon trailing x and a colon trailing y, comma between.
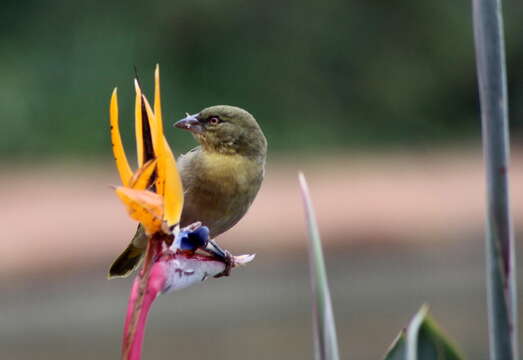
x: 196, y: 236
x: 229, y: 263
x: 224, y: 255
x: 215, y: 249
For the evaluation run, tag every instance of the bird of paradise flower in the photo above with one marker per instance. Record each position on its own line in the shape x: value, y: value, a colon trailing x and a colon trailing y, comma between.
x: 153, y: 196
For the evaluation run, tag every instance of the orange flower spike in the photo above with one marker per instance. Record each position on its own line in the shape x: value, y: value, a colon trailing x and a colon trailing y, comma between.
x: 158, y: 147
x: 152, y: 122
x: 144, y: 206
x: 142, y: 177
x: 173, y: 196
x: 169, y: 183
x: 119, y: 154
x: 157, y: 102
x: 158, y: 135
x: 138, y: 123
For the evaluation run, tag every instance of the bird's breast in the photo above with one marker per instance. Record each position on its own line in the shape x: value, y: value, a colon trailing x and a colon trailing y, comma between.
x: 219, y: 190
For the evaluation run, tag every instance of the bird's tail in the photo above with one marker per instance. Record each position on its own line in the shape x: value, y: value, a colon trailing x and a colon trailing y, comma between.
x: 131, y: 258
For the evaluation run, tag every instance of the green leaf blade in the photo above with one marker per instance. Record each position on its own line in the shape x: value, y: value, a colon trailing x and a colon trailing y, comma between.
x: 325, y: 338
x: 398, y: 349
x: 422, y: 340
x: 500, y: 243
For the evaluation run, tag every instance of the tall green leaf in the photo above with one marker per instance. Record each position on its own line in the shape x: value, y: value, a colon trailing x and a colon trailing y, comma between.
x: 325, y: 339
x: 397, y: 351
x: 501, y: 278
x: 422, y: 340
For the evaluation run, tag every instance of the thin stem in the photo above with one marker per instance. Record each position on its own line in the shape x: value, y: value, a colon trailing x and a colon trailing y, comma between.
x: 501, y: 279
x: 144, y: 276
x: 324, y: 327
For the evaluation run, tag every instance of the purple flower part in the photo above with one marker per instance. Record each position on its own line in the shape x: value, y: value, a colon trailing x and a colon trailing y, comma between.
x: 191, y: 239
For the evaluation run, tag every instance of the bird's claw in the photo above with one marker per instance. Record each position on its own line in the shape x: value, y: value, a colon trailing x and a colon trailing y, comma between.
x: 229, y: 264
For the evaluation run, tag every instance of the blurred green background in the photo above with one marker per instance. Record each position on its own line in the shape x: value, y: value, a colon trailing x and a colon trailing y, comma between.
x: 343, y: 73
x: 376, y: 101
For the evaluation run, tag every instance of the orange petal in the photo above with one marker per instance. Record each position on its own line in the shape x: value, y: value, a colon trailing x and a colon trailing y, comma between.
x: 119, y: 154
x: 168, y: 182
x: 142, y: 179
x: 158, y: 139
x: 148, y: 129
x: 138, y: 123
x: 157, y: 103
x: 152, y: 122
x: 144, y: 206
x: 158, y: 146
x: 173, y: 195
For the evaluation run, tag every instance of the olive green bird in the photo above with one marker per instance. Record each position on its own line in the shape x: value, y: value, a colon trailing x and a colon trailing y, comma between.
x: 221, y: 177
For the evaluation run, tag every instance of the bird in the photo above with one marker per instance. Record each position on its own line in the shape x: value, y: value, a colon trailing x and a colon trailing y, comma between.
x: 221, y: 176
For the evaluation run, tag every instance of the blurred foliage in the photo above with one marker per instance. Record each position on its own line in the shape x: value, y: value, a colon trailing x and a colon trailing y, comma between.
x: 316, y: 74
x: 423, y: 340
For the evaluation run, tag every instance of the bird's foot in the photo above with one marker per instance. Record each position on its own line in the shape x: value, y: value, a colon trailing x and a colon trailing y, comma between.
x: 229, y: 264
x: 215, y: 250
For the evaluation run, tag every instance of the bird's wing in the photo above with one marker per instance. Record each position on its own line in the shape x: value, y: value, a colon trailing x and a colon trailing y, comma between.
x: 184, y: 164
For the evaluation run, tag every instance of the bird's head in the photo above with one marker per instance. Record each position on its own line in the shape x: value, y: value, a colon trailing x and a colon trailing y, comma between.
x: 227, y: 130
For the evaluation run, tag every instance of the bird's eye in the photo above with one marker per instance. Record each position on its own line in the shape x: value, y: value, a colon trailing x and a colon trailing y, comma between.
x: 214, y: 120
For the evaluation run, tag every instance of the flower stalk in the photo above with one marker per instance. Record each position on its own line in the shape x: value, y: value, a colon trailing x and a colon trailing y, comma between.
x: 153, y: 196
x: 500, y: 254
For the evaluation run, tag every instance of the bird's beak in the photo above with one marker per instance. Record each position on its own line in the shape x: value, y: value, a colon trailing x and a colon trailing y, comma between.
x: 190, y: 123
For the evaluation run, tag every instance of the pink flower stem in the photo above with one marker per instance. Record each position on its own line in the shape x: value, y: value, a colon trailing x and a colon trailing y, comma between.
x: 140, y: 302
